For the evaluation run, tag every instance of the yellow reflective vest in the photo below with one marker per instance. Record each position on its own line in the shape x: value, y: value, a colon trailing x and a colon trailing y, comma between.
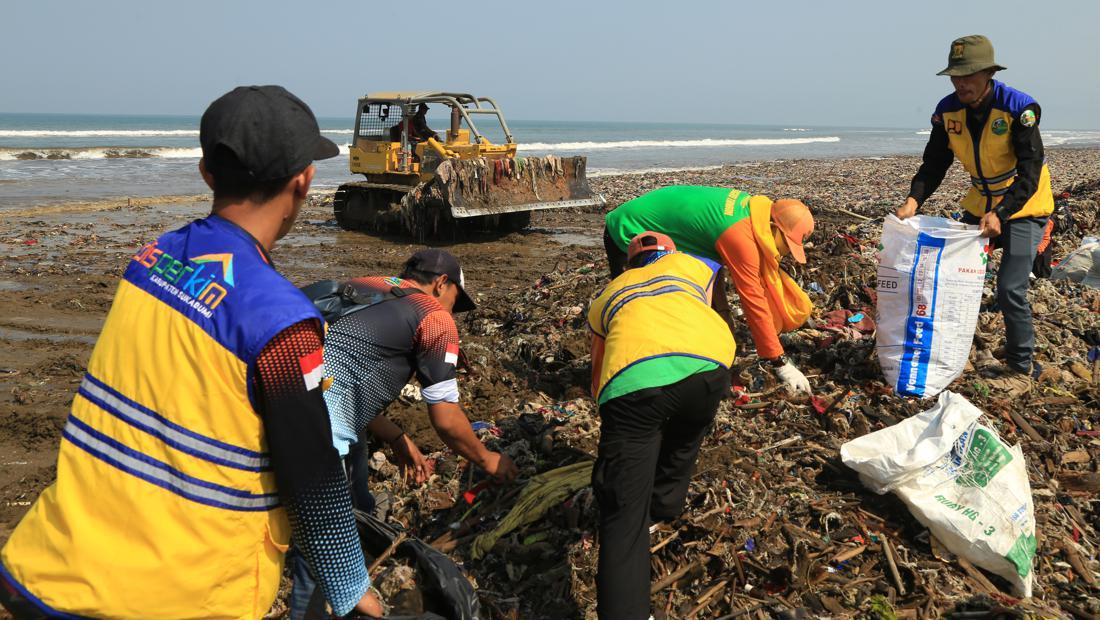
x: 989, y: 157
x: 165, y: 503
x: 662, y: 309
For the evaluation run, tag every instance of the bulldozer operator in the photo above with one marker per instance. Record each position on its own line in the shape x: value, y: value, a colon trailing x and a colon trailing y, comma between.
x: 415, y: 127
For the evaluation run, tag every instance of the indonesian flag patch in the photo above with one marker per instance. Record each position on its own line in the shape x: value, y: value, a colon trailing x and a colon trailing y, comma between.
x: 451, y: 356
x: 313, y: 369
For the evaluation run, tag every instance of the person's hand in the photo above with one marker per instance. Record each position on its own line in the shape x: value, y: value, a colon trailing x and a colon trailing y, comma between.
x: 501, y: 467
x: 792, y: 378
x: 990, y: 225
x: 369, y: 605
x: 907, y: 209
x: 410, y: 459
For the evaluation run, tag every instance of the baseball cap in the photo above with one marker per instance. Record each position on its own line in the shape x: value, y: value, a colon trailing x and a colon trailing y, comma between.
x: 442, y: 262
x: 795, y: 221
x: 270, y: 132
x: 969, y: 55
x: 649, y: 241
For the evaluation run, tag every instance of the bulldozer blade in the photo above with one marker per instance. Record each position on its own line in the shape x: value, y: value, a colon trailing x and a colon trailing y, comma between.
x: 597, y: 200
x: 480, y: 187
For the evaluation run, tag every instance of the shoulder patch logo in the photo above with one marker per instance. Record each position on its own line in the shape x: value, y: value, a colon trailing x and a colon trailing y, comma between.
x: 1028, y: 118
x: 1000, y: 127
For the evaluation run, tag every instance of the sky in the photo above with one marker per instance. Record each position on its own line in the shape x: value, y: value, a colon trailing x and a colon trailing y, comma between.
x: 856, y: 63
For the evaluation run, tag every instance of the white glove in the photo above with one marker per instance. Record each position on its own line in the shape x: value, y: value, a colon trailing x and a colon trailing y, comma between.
x: 792, y: 378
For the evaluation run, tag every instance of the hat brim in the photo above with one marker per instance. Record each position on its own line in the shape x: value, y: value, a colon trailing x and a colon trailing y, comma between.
x: 970, y: 69
x: 324, y: 148
x: 464, y: 303
x: 798, y: 253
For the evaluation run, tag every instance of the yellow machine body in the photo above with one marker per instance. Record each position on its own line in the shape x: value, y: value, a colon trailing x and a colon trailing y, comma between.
x: 426, y: 182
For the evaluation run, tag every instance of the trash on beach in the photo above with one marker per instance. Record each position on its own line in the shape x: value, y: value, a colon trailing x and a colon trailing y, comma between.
x: 1082, y: 265
x: 775, y: 524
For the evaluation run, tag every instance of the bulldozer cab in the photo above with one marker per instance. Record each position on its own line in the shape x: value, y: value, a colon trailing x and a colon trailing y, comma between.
x: 392, y: 135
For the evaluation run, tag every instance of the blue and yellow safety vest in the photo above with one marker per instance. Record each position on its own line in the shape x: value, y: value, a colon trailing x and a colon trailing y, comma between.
x: 660, y: 310
x: 165, y: 503
x: 989, y: 157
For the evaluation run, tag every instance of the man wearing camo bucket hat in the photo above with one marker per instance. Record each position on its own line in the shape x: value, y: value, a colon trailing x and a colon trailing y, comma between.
x: 993, y: 130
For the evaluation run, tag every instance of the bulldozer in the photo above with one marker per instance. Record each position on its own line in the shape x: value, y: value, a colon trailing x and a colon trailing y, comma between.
x: 432, y: 186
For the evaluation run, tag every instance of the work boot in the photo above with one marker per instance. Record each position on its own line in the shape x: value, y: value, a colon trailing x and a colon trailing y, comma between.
x: 1011, y: 383
x: 984, y: 361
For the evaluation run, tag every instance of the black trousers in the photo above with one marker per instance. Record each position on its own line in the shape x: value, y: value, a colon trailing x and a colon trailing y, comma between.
x: 649, y: 441
x: 616, y: 258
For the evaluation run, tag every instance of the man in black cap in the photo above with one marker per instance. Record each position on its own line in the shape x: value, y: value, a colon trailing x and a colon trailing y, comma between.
x: 199, y: 444
x: 993, y: 130
x: 372, y: 354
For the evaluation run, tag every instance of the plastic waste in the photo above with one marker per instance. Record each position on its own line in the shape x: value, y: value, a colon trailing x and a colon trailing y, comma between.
x: 958, y: 479
x: 930, y: 277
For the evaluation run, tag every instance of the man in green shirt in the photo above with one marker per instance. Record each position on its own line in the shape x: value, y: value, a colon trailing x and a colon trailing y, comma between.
x: 746, y: 234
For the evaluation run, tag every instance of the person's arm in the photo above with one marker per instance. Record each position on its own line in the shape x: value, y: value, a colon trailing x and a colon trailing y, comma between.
x: 436, y: 350
x: 450, y: 421
x: 737, y: 247
x: 1028, y: 146
x: 422, y: 130
x: 311, y: 481
x: 405, y: 450
x: 741, y: 257
x: 936, y: 161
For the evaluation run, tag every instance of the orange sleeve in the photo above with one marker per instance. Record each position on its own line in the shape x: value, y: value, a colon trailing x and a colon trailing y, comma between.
x: 597, y: 361
x: 739, y: 253
x: 1046, y: 236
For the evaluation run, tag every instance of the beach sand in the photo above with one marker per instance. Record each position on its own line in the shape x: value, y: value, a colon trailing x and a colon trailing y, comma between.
x: 59, y: 267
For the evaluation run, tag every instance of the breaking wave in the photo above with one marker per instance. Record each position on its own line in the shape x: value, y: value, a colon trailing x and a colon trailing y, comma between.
x: 108, y: 152
x: 642, y: 144
x: 1075, y: 138
x: 121, y: 152
x: 98, y: 133
x: 117, y: 133
x: 607, y: 172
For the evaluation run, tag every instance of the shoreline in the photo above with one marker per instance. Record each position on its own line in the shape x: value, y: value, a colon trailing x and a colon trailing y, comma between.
x: 613, y: 184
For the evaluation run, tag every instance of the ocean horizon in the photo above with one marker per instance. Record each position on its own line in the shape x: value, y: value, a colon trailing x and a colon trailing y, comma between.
x: 46, y: 158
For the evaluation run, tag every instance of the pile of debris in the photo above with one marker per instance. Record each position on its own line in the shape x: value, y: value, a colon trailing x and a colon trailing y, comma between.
x: 776, y: 525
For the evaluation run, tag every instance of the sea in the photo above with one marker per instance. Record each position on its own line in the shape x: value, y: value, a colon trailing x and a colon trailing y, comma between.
x: 49, y: 158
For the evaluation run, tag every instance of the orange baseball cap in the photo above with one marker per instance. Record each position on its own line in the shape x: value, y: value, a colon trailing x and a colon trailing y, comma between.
x: 647, y: 241
x: 794, y: 219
